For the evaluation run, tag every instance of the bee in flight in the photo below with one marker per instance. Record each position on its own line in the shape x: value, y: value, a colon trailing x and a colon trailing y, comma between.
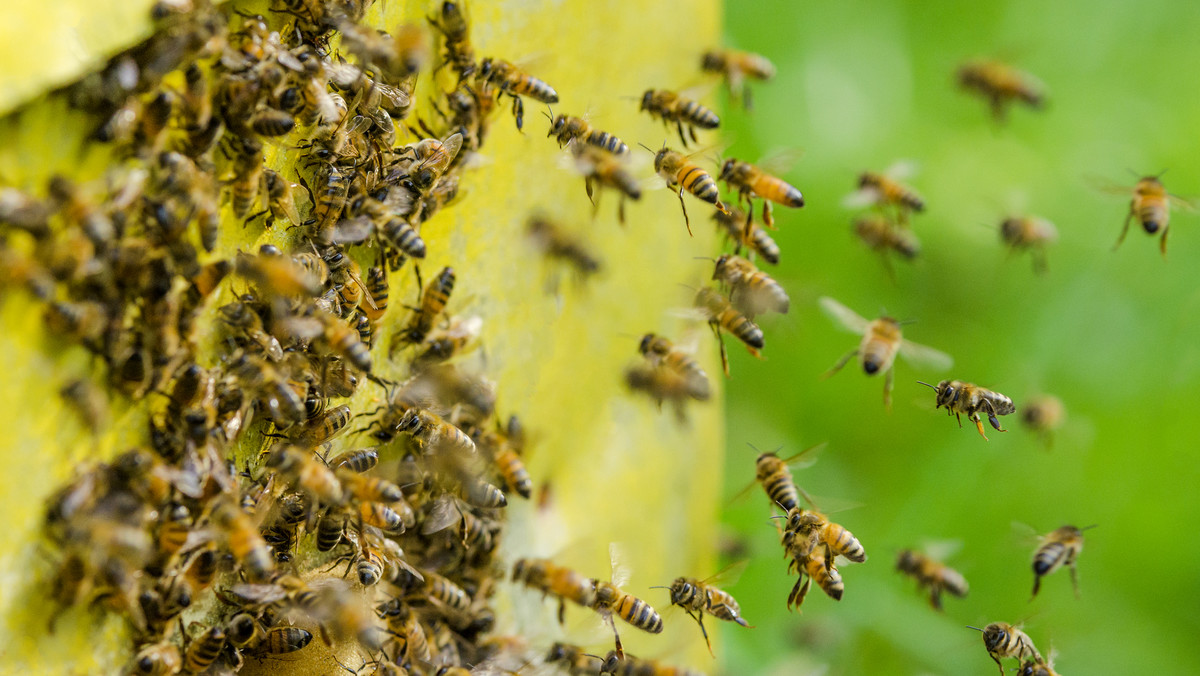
x: 733, y: 223
x: 1058, y: 548
x: 961, y: 398
x: 886, y: 189
x: 671, y: 107
x: 681, y: 173
x: 569, y: 128
x: 1029, y: 233
x: 1001, y: 84
x: 601, y: 168
x: 737, y: 66
x: 752, y: 291
x: 510, y: 80
x: 1044, y: 414
x: 881, y: 234
x: 1151, y: 206
x: 721, y: 315
x: 932, y: 575
x: 882, y: 340
x: 1004, y: 640
x: 698, y: 597
x: 751, y: 181
x: 1038, y: 667
x: 610, y: 600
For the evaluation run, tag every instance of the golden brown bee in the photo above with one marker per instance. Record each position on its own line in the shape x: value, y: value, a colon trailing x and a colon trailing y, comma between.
x: 384, y: 518
x: 680, y: 172
x: 361, y: 460
x: 508, y: 79
x: 1044, y: 414
x: 570, y: 128
x: 563, y: 583
x: 282, y: 640
x: 89, y: 401
x: 203, y: 651
x: 1151, y: 206
x: 244, y: 541
x: 556, y: 243
x: 883, y: 235
x: 329, y: 530
x: 403, y: 622
x: 1032, y: 233
x: 884, y: 189
x: 671, y: 107
x: 320, y: 430
x: 507, y: 455
x: 344, y: 341
x: 1001, y: 84
x: 574, y: 660
x: 967, y: 398
x: 741, y: 228
x: 242, y: 317
x: 431, y: 157
x: 433, y: 301
x: 752, y: 291
x: 377, y: 288
x: 662, y: 352
x: 604, y: 169
x: 1036, y: 667
x: 1058, y: 548
x: 157, y: 659
x: 750, y: 181
x: 807, y: 528
x: 446, y: 592
x: 932, y: 575
x: 611, y: 600
x: 307, y: 472
x: 433, y: 433
x: 328, y: 202
x: 1004, y: 640
x: 283, y: 275
x: 736, y: 66
x: 661, y: 384
x: 882, y: 340
x: 721, y: 315
x: 368, y: 488
x: 698, y: 597
x: 620, y: 664
x: 452, y: 23
x: 776, y: 478
x: 281, y: 200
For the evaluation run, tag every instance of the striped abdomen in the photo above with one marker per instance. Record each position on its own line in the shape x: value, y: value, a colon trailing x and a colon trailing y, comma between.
x: 826, y: 577
x: 777, y: 482
x: 777, y: 190
x: 842, y: 542
x: 204, y: 651
x: 1151, y: 212
x: 447, y: 592
x: 880, y: 344
x: 404, y: 237
x: 721, y: 605
x: 697, y: 114
x: 745, y: 330
x: 513, y: 470
x: 698, y: 182
x: 638, y: 613
x: 527, y: 85
x: 606, y: 141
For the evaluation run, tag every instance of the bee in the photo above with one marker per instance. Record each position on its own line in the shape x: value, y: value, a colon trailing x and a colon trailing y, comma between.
x: 247, y: 180
x: 283, y: 275
x: 510, y: 80
x: 382, y: 517
x: 241, y: 316
x: 281, y: 200
x: 446, y: 343
x: 343, y: 340
x: 403, y: 623
x: 83, y: 320
x: 243, y: 539
x: 506, y: 451
x: 751, y: 181
x: 361, y: 460
x: 575, y: 661
x: 661, y: 384
x: 752, y: 291
x: 1001, y: 84
x: 284, y: 405
x: 680, y: 172
x: 368, y: 488
x: 880, y: 234
x: 621, y: 664
x: 452, y: 24
x: 604, y: 169
x: 433, y: 433
x: 671, y: 107
x: 433, y: 301
x: 932, y: 575
x: 662, y: 352
x: 562, y: 583
x: 203, y: 651
x: 815, y: 568
x: 721, y: 315
x: 1032, y: 233
x: 611, y: 600
x: 776, y: 478
x: 446, y: 592
x: 1035, y: 667
x: 1004, y: 640
x: 569, y: 128
x: 329, y: 530
x: 157, y: 659
x: 961, y: 397
x: 1151, y: 206
x: 432, y: 158
x: 1058, y: 548
x: 882, y: 340
x: 555, y: 243
x: 808, y: 528
x: 741, y: 228
x: 1044, y: 414
x: 736, y: 66
x: 698, y: 597
x: 884, y: 189
x: 89, y: 401
x: 320, y: 430
x: 283, y: 640
x: 377, y: 288
x: 328, y: 203
x: 307, y: 471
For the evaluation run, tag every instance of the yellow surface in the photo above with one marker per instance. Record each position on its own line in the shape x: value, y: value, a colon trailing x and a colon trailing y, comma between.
x: 619, y: 469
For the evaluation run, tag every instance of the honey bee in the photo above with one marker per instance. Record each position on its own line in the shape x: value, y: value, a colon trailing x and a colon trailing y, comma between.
x: 698, y: 597
x: 752, y: 291
x: 307, y: 471
x: 283, y: 275
x: 281, y: 200
x: 157, y: 659
x: 569, y: 128
x: 661, y: 384
x: 403, y: 622
x: 432, y: 158
x: 967, y: 398
x: 89, y: 401
x: 328, y: 203
x: 1004, y: 640
x: 1032, y: 233
x: 620, y: 664
x: 239, y: 315
x: 751, y: 181
x: 283, y: 640
x: 510, y: 80
x: 360, y: 461
x: 815, y: 568
x: 932, y: 575
x: 1044, y: 414
x: 882, y: 340
x: 555, y: 243
x: 452, y: 23
x: 721, y: 315
x: 1036, y: 667
x: 1001, y: 84
x: 507, y: 455
x: 604, y: 169
x: 433, y: 433
x: 776, y: 478
x: 1151, y: 206
x: 244, y: 541
x: 444, y: 344
x: 324, y: 428
x: 741, y: 228
x: 329, y: 530
x: 680, y: 172
x: 335, y: 335
x: 1058, y: 548
x: 203, y: 651
x: 610, y: 600
x: 884, y: 189
x: 736, y: 66
x: 662, y: 352
x: 574, y: 660
x: 808, y: 528
x: 672, y: 107
x: 433, y: 301
x: 562, y: 583
x: 880, y: 234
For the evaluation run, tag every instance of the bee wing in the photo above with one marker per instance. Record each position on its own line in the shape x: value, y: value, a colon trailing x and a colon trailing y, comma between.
x: 920, y: 355
x: 354, y: 230
x: 941, y: 550
x: 863, y: 197
x: 443, y: 514
x: 616, y: 558
x: 1186, y: 203
x: 901, y: 170
x: 780, y: 161
x: 1026, y: 535
x: 452, y: 145
x: 1105, y: 185
x: 397, y: 97
x: 843, y: 316
x: 727, y: 576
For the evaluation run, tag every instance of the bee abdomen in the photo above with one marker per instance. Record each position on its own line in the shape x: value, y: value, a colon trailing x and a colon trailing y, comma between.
x: 845, y: 544
x: 515, y: 474
x: 699, y: 115
x: 780, y: 191
x: 204, y: 651
x: 698, y: 182
x: 535, y: 88
x: 605, y: 140
x: 482, y: 494
x: 639, y: 613
x: 1048, y: 558
x: 745, y: 330
x: 783, y: 492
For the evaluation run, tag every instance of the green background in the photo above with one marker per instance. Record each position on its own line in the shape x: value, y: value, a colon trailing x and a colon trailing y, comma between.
x: 1114, y: 335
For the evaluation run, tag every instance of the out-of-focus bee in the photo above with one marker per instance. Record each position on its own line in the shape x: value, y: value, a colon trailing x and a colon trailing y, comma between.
x: 736, y: 66
x: 1036, y: 667
x: 239, y: 315
x: 698, y: 597
x: 452, y: 24
x: 881, y: 234
x: 507, y: 445
x: 432, y: 157
x: 89, y: 401
x: 563, y: 583
x: 574, y: 660
x: 752, y: 291
x: 157, y: 659
x: 508, y: 79
x: 882, y: 340
x: 672, y: 107
x: 1151, y: 206
x: 203, y: 651
x: 281, y: 200
x: 661, y: 384
x: 750, y: 181
x: 600, y: 168
x: 967, y: 398
x: 741, y: 228
x: 884, y: 189
x: 1032, y: 233
x: 307, y: 472
x: 932, y: 575
x: 329, y: 530
x: 433, y: 433
x: 244, y: 541
x: 433, y: 301
x: 454, y: 339
x: 611, y: 600
x: 84, y: 320
x: 554, y: 242
x: 681, y: 174
x: 721, y: 315
x: 1004, y: 640
x: 1044, y: 414
x: 620, y: 664
x: 283, y: 275
x: 662, y: 352
x: 320, y: 430
x: 569, y: 128
x: 1058, y: 548
x: 1001, y: 84
x: 283, y: 640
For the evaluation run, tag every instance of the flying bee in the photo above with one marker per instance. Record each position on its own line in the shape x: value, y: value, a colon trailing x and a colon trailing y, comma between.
x: 1032, y: 233
x: 1036, y: 667
x: 569, y: 128
x: 563, y: 583
x: 751, y: 181
x: 574, y: 660
x: 618, y: 663
x: 1004, y: 640
x: 737, y: 66
x: 433, y: 301
x: 611, y: 600
x: 1044, y: 414
x: 555, y: 243
x: 510, y: 80
x: 368, y: 488
x: 882, y: 340
x: 661, y: 384
x: 681, y: 173
x: 452, y: 24
x: 335, y: 335
x: 698, y: 597
x: 882, y: 235
x: 721, y: 315
x: 672, y: 107
x: 752, y: 291
x: 604, y: 169
x: 244, y: 541
x: 432, y: 157
x: 505, y: 448
x: 808, y: 528
x: 967, y: 398
x: 444, y: 344
x: 815, y: 568
x: 1001, y: 84
x: 932, y: 575
x: 1151, y: 206
x: 662, y: 352
x: 775, y: 475
x: 433, y: 433
x: 885, y: 189
x: 1058, y: 548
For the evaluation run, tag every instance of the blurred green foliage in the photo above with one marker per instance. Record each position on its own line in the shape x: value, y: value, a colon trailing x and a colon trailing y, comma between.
x: 1114, y: 335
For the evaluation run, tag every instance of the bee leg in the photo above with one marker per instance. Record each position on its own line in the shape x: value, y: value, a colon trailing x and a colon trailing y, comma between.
x: 518, y: 110
x: 888, y: 382
x: 747, y: 103
x: 992, y: 417
x: 956, y: 416
x: 768, y: 219
x: 1125, y: 230
x: 1162, y: 244
x: 692, y: 133
x: 842, y: 362
x: 620, y: 648
x: 997, y: 661
x: 1039, y: 261
x: 683, y: 206
x: 979, y: 425
x: 935, y: 598
x: 621, y: 210
x: 724, y: 355
x: 682, y: 138
x: 1074, y: 580
x: 562, y: 611
x: 699, y: 617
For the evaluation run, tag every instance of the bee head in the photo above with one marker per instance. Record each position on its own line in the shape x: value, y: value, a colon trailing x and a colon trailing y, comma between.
x: 727, y: 169
x: 485, y: 67
x: 712, y: 61
x: 647, y: 99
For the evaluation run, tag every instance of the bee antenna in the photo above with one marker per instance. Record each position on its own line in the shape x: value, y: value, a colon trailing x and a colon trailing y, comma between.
x: 922, y: 382
x: 1089, y: 527
x: 652, y: 151
x: 975, y: 628
x: 659, y: 586
x: 704, y: 258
